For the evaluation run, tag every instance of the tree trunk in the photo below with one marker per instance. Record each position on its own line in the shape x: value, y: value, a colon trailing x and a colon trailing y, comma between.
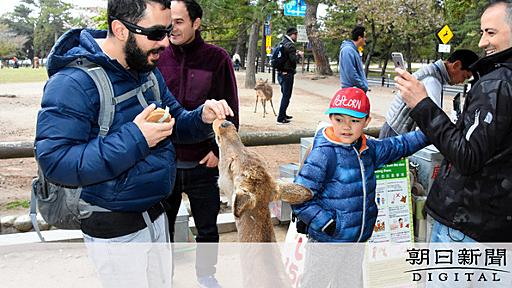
x: 375, y: 37
x: 322, y: 62
x: 250, y: 73
x: 385, y: 57
x: 241, y: 42
x: 408, y: 52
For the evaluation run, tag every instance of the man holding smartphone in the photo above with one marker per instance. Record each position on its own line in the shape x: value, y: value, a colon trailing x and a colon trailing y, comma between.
x: 454, y: 70
x: 471, y: 197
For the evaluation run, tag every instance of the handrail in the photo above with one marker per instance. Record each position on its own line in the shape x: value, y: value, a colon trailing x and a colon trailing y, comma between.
x: 25, y: 149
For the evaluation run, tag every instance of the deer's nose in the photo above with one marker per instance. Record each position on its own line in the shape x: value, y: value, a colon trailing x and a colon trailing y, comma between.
x: 226, y: 124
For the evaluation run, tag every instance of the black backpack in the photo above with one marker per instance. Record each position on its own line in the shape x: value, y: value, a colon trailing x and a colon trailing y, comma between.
x: 279, y: 57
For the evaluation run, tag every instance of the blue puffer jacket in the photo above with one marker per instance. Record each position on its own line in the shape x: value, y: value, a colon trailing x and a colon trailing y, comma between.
x: 342, y: 179
x: 118, y: 172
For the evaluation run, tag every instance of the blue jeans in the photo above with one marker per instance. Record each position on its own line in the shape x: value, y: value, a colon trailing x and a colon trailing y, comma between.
x: 286, y: 82
x: 445, y: 234
x: 200, y: 185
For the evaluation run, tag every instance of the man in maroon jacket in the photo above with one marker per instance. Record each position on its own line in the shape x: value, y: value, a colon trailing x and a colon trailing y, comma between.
x: 196, y: 71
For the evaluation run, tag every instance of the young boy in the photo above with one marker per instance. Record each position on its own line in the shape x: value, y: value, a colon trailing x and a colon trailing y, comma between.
x: 340, y: 171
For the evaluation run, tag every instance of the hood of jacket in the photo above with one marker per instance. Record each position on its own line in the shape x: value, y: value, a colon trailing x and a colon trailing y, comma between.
x: 349, y: 43
x: 78, y: 43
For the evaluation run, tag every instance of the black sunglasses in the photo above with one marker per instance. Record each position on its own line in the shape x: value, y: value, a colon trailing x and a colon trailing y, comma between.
x: 153, y: 34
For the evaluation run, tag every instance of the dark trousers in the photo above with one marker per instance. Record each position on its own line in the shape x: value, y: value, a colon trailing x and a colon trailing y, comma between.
x: 200, y: 185
x: 286, y: 82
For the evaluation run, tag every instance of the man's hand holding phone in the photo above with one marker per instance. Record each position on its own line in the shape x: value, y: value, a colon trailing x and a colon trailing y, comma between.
x: 398, y: 60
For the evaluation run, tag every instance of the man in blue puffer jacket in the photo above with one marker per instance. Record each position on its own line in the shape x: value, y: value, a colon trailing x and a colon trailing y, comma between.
x: 130, y: 170
x: 340, y: 172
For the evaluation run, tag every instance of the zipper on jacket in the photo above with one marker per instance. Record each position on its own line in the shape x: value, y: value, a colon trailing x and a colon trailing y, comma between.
x: 363, y: 183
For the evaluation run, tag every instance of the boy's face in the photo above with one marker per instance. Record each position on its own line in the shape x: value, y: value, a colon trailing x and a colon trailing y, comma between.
x: 347, y: 128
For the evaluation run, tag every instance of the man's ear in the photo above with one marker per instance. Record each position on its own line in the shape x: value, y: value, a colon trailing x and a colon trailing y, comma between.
x: 119, y: 31
x: 457, y: 65
x: 196, y: 24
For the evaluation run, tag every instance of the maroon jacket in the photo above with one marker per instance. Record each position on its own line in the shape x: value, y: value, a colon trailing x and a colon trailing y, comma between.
x: 194, y: 73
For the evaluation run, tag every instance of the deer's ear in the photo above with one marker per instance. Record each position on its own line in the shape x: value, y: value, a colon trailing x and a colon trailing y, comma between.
x: 292, y: 193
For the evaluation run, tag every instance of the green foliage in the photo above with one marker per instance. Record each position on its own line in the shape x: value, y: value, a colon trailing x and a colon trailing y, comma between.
x: 50, y: 24
x: 17, y: 204
x: 100, y: 21
x: 463, y: 17
x: 10, y: 43
x: 21, y: 24
x: 402, y: 25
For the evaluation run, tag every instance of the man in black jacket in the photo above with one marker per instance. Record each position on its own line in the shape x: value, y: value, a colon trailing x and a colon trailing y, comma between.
x: 286, y: 74
x: 471, y: 198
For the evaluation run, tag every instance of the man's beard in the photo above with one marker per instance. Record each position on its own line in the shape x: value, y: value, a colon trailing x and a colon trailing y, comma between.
x: 136, y: 58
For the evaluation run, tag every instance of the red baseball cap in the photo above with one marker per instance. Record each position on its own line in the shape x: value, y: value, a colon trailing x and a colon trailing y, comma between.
x: 350, y: 101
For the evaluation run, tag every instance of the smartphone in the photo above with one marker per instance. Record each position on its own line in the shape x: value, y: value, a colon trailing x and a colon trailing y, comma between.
x: 398, y: 60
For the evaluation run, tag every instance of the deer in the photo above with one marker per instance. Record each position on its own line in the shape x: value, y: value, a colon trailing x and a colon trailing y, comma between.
x: 249, y: 187
x: 263, y: 93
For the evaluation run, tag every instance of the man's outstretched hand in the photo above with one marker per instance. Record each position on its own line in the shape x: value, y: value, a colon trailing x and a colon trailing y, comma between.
x: 215, y: 109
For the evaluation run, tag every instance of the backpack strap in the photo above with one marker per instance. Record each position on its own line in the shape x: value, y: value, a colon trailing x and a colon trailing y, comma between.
x: 152, y: 84
x: 33, y: 205
x: 155, y: 88
x: 105, y: 90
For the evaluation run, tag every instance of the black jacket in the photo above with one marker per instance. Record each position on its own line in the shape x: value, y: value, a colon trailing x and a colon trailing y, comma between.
x: 291, y: 60
x: 473, y: 190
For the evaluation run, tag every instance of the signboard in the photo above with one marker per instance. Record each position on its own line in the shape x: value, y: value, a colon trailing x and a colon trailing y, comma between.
x: 444, y: 48
x: 302, y: 36
x: 393, y: 198
x: 445, y: 34
x: 295, y: 8
x: 268, y: 44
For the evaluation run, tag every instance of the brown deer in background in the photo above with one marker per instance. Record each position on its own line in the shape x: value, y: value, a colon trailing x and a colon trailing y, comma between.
x: 263, y: 93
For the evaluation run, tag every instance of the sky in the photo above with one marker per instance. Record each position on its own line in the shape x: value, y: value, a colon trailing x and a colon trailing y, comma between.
x: 8, y: 5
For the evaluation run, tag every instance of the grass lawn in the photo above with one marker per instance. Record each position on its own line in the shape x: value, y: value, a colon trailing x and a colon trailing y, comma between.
x: 9, y: 75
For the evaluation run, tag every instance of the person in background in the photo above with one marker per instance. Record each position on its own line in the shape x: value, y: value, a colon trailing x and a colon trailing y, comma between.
x: 285, y: 75
x: 454, y: 70
x: 351, y: 65
x: 194, y: 72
